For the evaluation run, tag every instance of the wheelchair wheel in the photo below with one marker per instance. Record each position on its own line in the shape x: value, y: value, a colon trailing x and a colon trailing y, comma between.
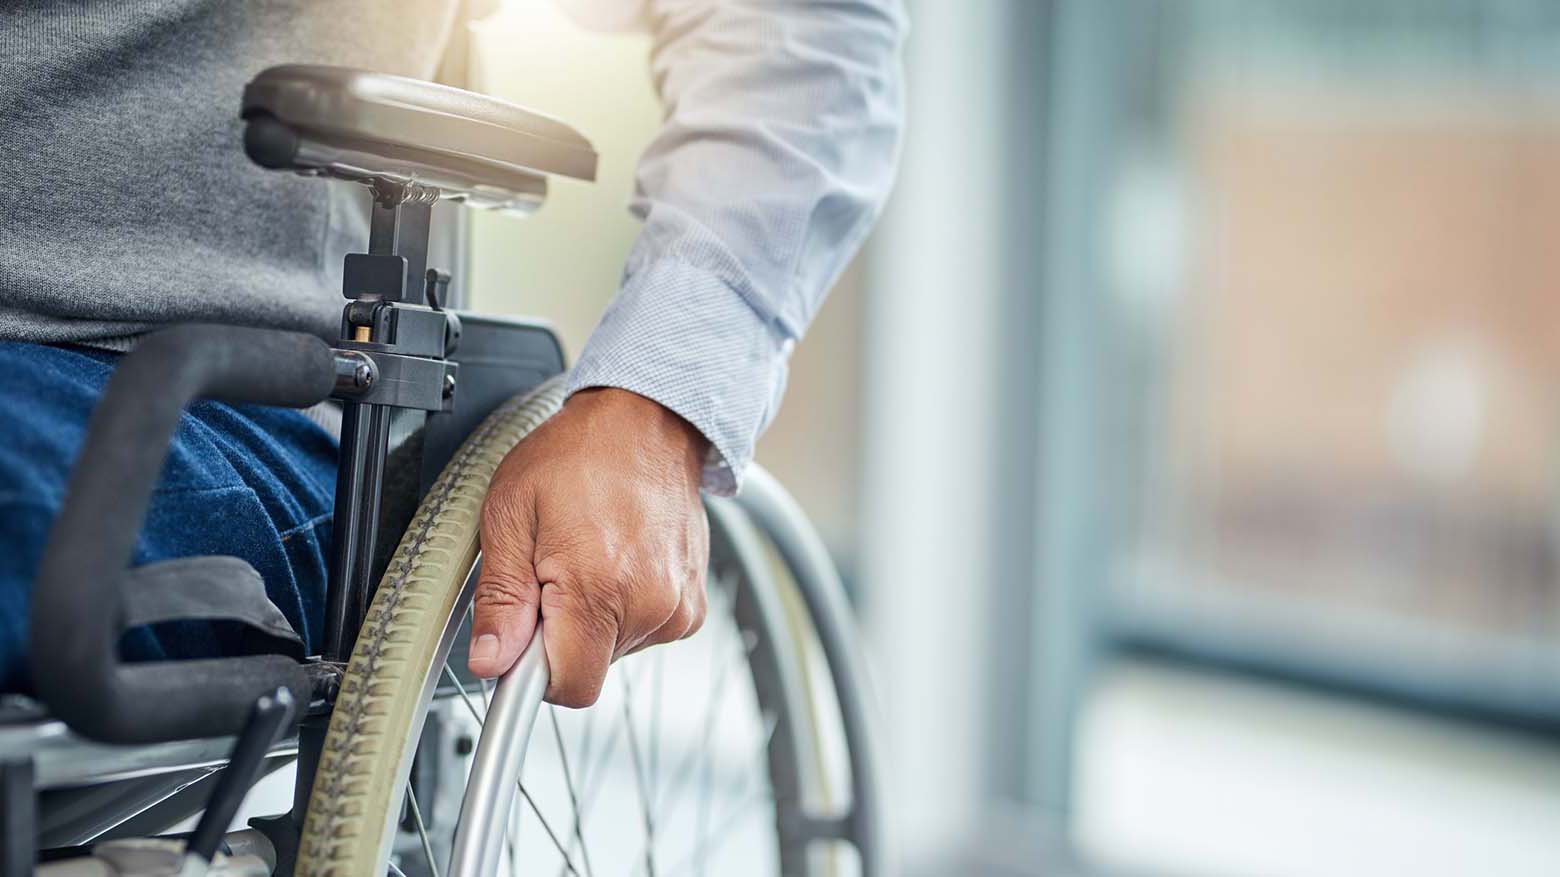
x: 739, y: 750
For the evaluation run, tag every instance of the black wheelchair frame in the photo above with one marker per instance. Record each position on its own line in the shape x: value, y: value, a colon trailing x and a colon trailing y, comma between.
x: 412, y: 376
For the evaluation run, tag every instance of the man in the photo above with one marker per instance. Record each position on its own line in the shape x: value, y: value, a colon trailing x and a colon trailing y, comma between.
x: 128, y: 205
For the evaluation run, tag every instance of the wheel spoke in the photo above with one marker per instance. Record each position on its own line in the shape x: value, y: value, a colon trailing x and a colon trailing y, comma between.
x: 590, y: 773
x: 639, y: 777
x: 568, y: 863
x: 653, y: 747
x: 586, y: 739
x: 704, y: 848
x: 699, y: 757
x: 666, y: 770
x: 585, y: 742
x: 422, y: 830
x: 722, y: 833
x: 771, y: 722
x: 450, y: 674
x: 703, y: 819
x: 591, y: 785
x: 720, y: 673
x: 574, y: 800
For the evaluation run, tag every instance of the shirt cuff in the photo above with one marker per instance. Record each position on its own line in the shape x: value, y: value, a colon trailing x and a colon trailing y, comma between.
x: 683, y: 337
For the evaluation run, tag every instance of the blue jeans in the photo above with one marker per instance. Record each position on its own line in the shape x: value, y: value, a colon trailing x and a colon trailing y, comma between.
x: 252, y: 482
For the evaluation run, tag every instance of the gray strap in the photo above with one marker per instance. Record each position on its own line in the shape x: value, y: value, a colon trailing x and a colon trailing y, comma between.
x: 206, y: 588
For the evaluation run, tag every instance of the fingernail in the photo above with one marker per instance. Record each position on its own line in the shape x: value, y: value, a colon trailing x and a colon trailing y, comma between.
x: 485, y: 648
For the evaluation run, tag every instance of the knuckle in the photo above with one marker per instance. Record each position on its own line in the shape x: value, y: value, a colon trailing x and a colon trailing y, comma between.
x: 552, y: 566
x: 676, y: 627
x: 597, y: 616
x: 695, y: 627
x: 696, y: 576
x: 563, y: 541
x: 697, y: 612
x: 573, y: 599
x: 661, y: 603
x: 505, y: 509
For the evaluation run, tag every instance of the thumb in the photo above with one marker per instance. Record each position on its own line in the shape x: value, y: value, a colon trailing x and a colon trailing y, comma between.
x: 504, y: 609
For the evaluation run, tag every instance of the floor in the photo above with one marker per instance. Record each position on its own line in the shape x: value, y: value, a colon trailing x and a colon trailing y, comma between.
x: 1187, y: 773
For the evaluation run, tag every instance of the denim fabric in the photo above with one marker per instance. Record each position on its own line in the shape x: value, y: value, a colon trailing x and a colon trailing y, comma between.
x: 248, y: 481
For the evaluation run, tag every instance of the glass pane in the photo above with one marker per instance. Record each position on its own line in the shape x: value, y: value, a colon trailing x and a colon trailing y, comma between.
x: 1330, y: 245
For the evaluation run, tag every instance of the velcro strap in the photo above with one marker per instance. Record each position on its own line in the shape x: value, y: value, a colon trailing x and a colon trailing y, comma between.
x: 211, y: 588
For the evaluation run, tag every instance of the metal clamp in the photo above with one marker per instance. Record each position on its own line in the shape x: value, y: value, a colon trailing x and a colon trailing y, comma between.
x: 374, y: 377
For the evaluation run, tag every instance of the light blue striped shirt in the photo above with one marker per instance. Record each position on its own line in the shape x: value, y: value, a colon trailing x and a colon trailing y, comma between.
x: 783, y: 121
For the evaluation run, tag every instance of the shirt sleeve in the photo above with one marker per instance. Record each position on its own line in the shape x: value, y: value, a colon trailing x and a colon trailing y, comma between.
x: 783, y: 121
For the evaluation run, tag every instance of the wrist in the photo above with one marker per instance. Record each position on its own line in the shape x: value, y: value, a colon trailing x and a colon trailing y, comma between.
x: 650, y: 422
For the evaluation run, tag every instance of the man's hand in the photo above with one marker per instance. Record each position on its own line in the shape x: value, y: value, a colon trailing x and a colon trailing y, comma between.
x: 593, y: 521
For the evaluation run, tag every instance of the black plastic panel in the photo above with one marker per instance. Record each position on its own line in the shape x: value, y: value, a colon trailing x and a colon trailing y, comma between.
x: 500, y: 357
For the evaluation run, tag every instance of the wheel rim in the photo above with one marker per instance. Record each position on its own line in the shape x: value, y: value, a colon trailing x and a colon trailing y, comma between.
x: 638, y: 784
x: 416, y: 618
x: 506, y: 731
x: 361, y: 777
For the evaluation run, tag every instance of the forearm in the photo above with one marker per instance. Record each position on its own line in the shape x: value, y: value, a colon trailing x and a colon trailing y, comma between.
x: 783, y: 121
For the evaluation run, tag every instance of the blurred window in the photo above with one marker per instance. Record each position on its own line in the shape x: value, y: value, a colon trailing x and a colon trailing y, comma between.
x: 1328, y: 244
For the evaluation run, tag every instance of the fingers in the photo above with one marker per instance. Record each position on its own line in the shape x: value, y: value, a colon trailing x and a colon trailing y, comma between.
x: 505, y: 606
x: 685, y: 620
x: 593, y: 617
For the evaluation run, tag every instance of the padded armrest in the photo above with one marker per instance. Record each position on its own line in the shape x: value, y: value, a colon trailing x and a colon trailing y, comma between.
x: 358, y: 125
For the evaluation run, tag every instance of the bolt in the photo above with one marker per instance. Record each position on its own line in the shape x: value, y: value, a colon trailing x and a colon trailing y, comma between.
x: 464, y: 745
x: 355, y: 372
x: 449, y: 386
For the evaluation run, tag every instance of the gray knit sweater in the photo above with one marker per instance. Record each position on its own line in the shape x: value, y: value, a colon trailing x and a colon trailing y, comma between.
x: 126, y: 198
x: 127, y: 201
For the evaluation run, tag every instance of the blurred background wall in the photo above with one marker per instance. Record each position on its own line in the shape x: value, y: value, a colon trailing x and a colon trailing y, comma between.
x: 1187, y: 431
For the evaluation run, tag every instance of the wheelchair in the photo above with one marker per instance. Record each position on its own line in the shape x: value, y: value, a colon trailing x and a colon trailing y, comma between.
x: 746, y: 749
